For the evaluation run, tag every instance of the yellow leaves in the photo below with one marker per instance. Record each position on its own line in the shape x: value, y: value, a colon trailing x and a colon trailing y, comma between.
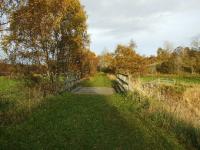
x: 56, y: 28
x: 128, y: 60
x: 89, y: 61
x: 40, y: 16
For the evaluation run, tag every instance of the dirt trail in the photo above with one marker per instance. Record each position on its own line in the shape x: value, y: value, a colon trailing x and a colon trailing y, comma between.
x: 94, y: 90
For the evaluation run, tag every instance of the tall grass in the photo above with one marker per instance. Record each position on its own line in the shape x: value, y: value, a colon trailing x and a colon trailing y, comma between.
x: 175, y: 108
x: 17, y: 102
x: 182, y: 100
x: 19, y: 97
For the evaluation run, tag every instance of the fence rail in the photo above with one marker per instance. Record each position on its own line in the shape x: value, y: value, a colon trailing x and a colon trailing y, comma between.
x: 71, y: 80
x: 126, y: 83
x: 123, y: 81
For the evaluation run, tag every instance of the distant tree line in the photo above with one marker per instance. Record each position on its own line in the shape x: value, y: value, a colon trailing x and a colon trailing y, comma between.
x: 182, y: 60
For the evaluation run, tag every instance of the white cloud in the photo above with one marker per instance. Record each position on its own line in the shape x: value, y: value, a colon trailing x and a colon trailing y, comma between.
x: 148, y: 22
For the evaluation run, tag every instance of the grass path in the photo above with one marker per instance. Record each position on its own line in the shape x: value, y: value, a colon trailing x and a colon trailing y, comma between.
x: 86, y: 122
x: 98, y: 80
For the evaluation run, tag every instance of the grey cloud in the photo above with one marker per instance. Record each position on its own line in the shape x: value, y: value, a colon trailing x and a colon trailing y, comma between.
x: 119, y: 20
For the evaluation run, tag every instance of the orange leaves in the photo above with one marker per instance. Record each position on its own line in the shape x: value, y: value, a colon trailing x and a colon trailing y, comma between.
x: 127, y: 60
x: 55, y: 28
x: 89, y: 62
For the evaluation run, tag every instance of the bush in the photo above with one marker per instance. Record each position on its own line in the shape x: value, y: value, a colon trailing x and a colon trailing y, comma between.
x: 32, y: 80
x: 166, y: 67
x: 187, y: 69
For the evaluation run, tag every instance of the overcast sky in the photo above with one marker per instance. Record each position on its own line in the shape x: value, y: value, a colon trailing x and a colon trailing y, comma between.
x: 148, y: 22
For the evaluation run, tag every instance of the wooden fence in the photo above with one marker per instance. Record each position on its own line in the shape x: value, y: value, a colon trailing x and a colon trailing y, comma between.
x: 71, y: 80
x: 126, y: 83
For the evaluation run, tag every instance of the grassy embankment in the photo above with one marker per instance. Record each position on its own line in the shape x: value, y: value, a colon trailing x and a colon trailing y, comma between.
x: 174, y: 106
x: 88, y: 122
x: 181, y: 97
x: 19, y: 97
x: 16, y: 100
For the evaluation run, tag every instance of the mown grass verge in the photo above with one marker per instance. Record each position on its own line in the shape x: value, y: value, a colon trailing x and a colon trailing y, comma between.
x: 85, y: 122
x: 71, y: 121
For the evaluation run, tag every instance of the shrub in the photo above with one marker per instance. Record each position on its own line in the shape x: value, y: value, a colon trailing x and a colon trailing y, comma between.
x: 166, y: 67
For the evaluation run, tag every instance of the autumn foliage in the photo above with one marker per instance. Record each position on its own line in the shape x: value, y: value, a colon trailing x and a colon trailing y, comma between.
x: 124, y: 60
x: 182, y: 60
x: 43, y: 35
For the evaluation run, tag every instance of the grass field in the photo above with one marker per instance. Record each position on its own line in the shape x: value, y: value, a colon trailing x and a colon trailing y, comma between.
x: 6, y: 83
x: 177, y: 79
x: 8, y: 92
x: 87, y: 122
x: 16, y: 100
